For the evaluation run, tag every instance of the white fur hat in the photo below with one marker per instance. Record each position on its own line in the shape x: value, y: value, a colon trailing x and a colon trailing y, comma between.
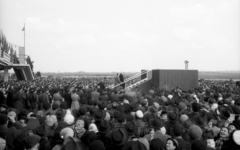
x: 93, y: 127
x: 214, y: 106
x: 163, y: 130
x: 170, y: 96
x: 236, y: 137
x: 125, y: 101
x: 139, y: 114
x: 183, y: 118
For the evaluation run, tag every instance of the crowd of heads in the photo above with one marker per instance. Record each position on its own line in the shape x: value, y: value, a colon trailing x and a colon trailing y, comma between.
x: 87, y: 114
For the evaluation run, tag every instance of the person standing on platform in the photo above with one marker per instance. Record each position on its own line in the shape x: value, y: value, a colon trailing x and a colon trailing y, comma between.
x: 121, y: 78
x: 117, y: 81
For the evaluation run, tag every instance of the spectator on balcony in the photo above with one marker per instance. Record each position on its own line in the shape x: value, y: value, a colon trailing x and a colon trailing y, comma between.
x: 30, y: 62
x: 117, y: 80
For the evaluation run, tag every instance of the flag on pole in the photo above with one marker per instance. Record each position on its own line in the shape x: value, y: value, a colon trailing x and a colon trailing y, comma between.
x: 23, y: 29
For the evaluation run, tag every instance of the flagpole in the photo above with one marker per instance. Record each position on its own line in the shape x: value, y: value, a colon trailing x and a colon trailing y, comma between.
x: 24, y: 39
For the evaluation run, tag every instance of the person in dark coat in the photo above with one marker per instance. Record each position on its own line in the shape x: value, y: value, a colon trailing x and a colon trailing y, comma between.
x: 10, y: 101
x: 67, y: 98
x: 195, y: 108
x: 19, y: 100
x: 3, y: 126
x: 101, y: 85
x: 172, y: 120
x: 32, y: 100
x: 176, y: 132
x: 121, y: 78
x: 2, y: 97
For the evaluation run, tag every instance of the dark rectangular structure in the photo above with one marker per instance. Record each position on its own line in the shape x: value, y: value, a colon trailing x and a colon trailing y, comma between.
x: 168, y: 79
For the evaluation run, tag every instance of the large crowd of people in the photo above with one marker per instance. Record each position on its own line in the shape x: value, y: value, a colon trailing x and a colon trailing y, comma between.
x: 86, y: 114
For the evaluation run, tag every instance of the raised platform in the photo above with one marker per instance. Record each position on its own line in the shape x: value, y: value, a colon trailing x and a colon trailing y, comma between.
x: 168, y: 79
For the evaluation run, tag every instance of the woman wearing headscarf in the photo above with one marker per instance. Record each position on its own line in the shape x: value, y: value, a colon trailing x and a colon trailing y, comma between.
x: 223, y: 138
x: 171, y: 144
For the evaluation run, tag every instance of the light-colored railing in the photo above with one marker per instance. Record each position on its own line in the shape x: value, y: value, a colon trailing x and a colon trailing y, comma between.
x: 136, y: 75
x: 133, y: 79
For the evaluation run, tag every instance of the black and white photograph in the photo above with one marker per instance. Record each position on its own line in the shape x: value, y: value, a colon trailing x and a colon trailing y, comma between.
x: 119, y: 75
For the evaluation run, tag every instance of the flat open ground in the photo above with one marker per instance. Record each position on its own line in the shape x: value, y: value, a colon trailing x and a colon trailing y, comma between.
x: 219, y: 75
x: 205, y: 75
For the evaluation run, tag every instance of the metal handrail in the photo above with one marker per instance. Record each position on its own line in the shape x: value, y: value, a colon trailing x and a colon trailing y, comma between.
x: 135, y: 76
x: 130, y: 78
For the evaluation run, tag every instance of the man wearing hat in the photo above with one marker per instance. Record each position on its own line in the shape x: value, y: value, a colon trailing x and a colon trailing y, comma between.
x: 157, y: 124
x: 103, y: 128
x: 118, y: 137
x: 195, y: 108
x: 172, y: 119
x: 54, y: 108
x: 32, y: 99
x: 32, y: 142
x: 60, y: 114
x: 121, y: 120
x: 176, y: 132
x: 131, y: 129
x: 43, y: 97
x: 99, y: 115
x: 19, y: 99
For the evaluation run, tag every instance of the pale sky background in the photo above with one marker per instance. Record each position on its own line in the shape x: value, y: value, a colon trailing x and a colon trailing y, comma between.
x: 125, y: 35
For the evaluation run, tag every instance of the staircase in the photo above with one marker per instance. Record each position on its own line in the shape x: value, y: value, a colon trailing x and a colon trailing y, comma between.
x: 23, y: 72
x: 136, y: 79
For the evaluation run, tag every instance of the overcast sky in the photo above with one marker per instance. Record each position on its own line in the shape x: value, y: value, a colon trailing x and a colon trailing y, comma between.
x: 119, y: 35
